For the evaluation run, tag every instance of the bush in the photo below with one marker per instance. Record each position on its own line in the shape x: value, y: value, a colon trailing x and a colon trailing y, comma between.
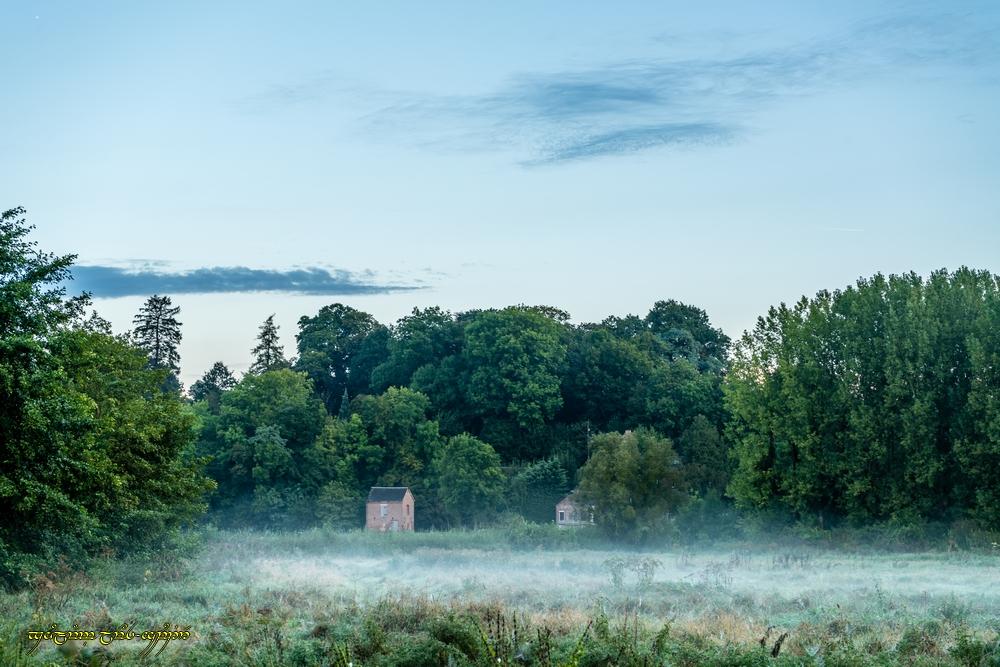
x: 972, y: 652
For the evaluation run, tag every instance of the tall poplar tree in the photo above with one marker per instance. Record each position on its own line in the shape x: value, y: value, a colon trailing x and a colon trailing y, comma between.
x: 876, y: 402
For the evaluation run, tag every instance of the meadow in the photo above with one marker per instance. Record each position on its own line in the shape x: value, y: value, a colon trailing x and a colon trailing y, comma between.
x: 534, y: 596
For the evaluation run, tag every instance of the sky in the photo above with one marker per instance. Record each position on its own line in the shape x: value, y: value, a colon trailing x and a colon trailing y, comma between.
x: 256, y: 158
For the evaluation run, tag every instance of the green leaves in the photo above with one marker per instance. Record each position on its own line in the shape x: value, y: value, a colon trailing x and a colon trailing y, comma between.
x: 516, y: 356
x: 94, y: 454
x: 537, y: 487
x: 261, y: 444
x: 282, y: 399
x: 339, y: 348
x: 633, y: 482
x: 870, y: 403
x: 32, y: 302
x: 468, y: 478
x: 209, y: 388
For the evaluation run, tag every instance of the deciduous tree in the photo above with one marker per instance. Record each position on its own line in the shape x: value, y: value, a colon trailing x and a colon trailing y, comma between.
x: 339, y: 348
x: 634, y: 482
x: 468, y: 479
x: 209, y: 388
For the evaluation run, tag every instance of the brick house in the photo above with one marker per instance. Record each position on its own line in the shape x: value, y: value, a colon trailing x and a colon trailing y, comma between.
x: 571, y: 514
x: 389, y: 508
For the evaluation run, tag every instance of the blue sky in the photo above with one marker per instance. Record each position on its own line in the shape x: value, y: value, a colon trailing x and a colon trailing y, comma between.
x: 592, y: 156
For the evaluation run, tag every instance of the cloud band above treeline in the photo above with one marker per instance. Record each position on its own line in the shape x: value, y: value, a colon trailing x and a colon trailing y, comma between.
x: 111, y: 281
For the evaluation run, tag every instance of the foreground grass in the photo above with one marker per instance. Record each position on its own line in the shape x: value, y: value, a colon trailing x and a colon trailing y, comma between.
x: 493, y: 597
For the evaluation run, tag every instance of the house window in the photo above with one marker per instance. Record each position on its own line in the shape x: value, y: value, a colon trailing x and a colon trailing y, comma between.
x: 383, y: 510
x: 562, y: 516
x: 407, y: 510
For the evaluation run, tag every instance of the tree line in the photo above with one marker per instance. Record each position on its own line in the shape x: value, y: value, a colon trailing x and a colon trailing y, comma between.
x: 479, y: 412
x: 878, y: 402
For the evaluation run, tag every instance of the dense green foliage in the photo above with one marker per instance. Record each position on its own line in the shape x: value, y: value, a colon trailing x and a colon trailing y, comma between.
x: 259, y: 444
x: 634, y: 481
x: 535, y: 489
x: 95, y: 457
x: 469, y: 481
x: 209, y: 388
x: 478, y: 412
x: 878, y: 402
x: 338, y: 348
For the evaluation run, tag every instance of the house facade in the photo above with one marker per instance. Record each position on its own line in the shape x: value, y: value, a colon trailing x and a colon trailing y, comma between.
x: 570, y: 513
x: 389, y: 509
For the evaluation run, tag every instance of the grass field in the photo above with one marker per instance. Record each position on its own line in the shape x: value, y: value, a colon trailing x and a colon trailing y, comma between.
x: 481, y: 597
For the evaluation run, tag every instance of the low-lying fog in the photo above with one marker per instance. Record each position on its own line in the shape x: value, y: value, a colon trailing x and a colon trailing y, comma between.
x: 541, y: 580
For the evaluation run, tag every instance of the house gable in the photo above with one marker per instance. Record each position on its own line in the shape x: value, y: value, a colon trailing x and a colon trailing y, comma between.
x: 389, y: 509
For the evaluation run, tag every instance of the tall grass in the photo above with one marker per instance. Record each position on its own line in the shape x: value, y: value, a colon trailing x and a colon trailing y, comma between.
x: 541, y: 597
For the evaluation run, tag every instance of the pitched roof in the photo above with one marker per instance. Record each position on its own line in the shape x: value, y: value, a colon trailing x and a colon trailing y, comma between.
x: 569, y: 498
x: 387, y: 494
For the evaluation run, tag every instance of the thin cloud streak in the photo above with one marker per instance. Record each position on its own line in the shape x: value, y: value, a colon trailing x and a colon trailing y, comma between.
x: 633, y: 140
x: 113, y: 281
x: 631, y: 106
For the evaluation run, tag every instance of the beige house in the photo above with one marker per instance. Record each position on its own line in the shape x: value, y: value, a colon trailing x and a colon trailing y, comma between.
x: 389, y: 508
x: 571, y: 514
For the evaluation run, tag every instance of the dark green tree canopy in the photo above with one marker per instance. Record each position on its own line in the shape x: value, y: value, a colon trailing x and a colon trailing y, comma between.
x: 516, y: 356
x: 398, y: 422
x: 260, y: 445
x: 523, y: 380
x: 686, y: 331
x: 281, y: 399
x: 706, y: 464
x: 339, y: 348
x: 425, y: 337
x: 537, y: 487
x: 468, y: 479
x: 603, y: 374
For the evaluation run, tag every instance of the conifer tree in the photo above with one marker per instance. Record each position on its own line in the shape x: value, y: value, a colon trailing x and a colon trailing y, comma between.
x: 158, y: 332
x: 345, y: 406
x: 268, y: 355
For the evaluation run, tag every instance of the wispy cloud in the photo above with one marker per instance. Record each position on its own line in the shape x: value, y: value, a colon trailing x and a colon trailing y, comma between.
x: 634, y: 139
x: 115, y: 281
x: 669, y: 102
